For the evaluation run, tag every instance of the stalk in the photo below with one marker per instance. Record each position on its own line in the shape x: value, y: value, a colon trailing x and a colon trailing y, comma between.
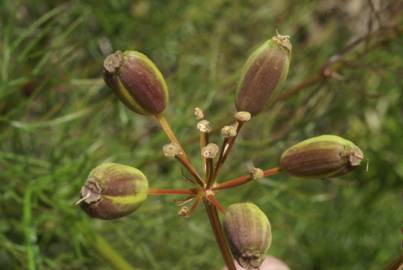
x: 186, y: 163
x: 241, y: 180
x: 168, y: 131
x: 181, y: 157
x: 232, y: 141
x: 220, y: 157
x: 219, y: 235
x: 160, y: 191
x: 204, y: 140
x: 227, y: 146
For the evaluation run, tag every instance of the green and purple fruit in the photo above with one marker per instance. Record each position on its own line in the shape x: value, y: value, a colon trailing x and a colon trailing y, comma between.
x: 321, y: 157
x: 248, y: 232
x: 113, y: 190
x: 263, y: 75
x: 137, y: 82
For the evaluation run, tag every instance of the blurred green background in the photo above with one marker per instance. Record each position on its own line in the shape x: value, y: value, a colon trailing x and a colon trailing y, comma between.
x: 58, y: 120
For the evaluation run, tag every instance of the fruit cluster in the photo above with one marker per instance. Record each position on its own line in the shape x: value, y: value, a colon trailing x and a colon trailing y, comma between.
x: 114, y: 190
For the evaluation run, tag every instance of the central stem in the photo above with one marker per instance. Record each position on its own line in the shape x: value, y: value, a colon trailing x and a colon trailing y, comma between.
x: 219, y: 235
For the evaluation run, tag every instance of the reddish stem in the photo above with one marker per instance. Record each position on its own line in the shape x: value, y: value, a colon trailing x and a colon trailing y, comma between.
x: 271, y: 171
x: 181, y: 157
x: 220, y: 158
x: 232, y: 141
x: 219, y: 235
x: 179, y: 191
x: 185, y: 162
x: 233, y: 182
x: 244, y: 179
x: 226, y: 148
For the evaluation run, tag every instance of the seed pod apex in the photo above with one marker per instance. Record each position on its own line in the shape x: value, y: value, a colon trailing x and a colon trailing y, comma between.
x: 283, y: 41
x: 113, y: 61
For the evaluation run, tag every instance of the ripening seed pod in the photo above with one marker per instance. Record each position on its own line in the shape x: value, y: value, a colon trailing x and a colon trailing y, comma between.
x: 263, y: 74
x: 321, y: 157
x: 137, y: 82
x: 113, y: 190
x: 248, y: 232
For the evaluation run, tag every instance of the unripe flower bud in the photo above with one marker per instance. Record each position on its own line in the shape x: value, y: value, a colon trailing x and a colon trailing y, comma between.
x: 113, y: 190
x: 228, y: 131
x: 242, y: 116
x: 204, y: 126
x: 183, y: 211
x: 248, y: 232
x: 256, y: 173
x: 171, y: 150
x: 137, y: 82
x: 198, y: 113
x: 263, y: 74
x: 210, y: 150
x: 320, y: 157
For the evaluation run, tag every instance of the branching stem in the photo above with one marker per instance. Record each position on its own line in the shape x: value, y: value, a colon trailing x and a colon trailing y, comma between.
x: 220, y: 157
x: 232, y: 141
x: 195, y: 204
x: 204, y: 140
x: 209, y: 172
x: 160, y: 191
x: 227, y: 146
x: 195, y: 176
x: 241, y: 180
x: 181, y: 157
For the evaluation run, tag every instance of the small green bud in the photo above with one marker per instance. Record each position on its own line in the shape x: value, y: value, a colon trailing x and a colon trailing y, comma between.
x: 137, y: 82
x: 263, y: 75
x: 113, y: 190
x: 320, y: 157
x: 248, y: 232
